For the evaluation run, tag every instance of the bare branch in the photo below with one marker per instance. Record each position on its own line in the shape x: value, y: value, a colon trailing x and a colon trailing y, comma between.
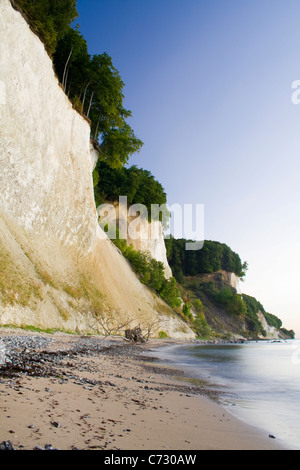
x: 64, y: 82
x: 84, y: 95
x: 90, y: 105
x: 111, y: 323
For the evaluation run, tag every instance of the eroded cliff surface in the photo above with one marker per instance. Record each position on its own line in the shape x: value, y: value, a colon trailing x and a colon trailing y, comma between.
x: 143, y: 235
x: 58, y: 268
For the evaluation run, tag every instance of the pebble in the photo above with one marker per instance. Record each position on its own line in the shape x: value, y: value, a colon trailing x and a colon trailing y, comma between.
x: 30, y: 354
x: 6, y: 445
x: 55, y: 424
x: 46, y: 447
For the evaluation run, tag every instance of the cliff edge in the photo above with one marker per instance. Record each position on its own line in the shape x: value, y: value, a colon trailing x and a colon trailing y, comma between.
x: 58, y: 268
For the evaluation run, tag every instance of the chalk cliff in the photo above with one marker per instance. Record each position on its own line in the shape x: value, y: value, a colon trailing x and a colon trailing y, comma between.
x: 270, y: 331
x: 234, y: 282
x: 143, y: 235
x: 57, y: 267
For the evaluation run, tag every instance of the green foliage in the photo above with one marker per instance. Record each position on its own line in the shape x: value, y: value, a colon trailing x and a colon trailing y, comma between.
x: 252, y: 322
x: 272, y: 320
x: 289, y: 333
x: 50, y: 19
x: 201, y: 326
x: 213, y: 257
x: 92, y: 83
x: 137, y: 184
x: 218, y: 294
x: 170, y: 293
x: 71, y: 56
x: 118, y: 144
x: 233, y: 302
x: 186, y: 309
x: 96, y: 86
x: 150, y: 272
x: 253, y: 305
x: 162, y: 335
x: 197, y: 304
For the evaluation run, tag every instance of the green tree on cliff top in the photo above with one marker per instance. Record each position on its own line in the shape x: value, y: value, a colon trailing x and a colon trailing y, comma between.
x: 96, y: 89
x: 92, y: 83
x: 49, y: 18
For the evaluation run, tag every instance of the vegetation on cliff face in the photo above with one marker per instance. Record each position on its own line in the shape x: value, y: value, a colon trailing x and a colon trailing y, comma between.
x: 216, y: 308
x: 150, y: 272
x: 211, y: 258
x: 50, y: 19
x: 92, y: 83
x: 137, y: 184
x: 254, y: 306
x: 211, y: 305
x: 94, y: 86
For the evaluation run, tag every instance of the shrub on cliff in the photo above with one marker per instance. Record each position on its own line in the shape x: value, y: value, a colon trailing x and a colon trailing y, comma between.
x: 213, y: 257
x: 150, y: 272
x: 50, y: 19
x: 96, y: 86
x: 92, y: 83
x: 201, y: 326
x: 137, y: 184
x: 233, y: 302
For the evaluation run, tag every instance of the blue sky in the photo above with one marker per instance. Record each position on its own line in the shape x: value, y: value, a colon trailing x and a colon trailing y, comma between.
x: 209, y: 86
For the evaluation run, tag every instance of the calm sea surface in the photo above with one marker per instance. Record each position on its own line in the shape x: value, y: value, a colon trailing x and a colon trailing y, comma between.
x: 260, y: 381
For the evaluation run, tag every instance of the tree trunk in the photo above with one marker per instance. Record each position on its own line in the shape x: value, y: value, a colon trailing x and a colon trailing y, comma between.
x: 64, y: 81
x: 90, y: 105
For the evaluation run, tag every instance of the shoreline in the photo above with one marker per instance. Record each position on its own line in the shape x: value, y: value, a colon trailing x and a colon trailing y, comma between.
x: 95, y: 393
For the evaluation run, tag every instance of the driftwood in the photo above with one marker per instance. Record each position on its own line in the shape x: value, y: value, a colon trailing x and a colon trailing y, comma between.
x: 135, y: 335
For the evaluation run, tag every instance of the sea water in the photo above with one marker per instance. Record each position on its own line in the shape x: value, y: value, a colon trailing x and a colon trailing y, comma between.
x: 259, y: 381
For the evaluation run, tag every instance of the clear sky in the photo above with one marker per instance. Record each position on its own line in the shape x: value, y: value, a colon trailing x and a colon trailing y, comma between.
x: 209, y: 84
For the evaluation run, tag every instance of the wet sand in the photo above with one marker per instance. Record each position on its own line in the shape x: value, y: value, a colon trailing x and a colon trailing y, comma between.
x: 91, y: 393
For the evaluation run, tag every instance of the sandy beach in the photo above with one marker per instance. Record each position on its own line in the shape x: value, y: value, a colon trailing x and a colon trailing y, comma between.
x: 91, y: 393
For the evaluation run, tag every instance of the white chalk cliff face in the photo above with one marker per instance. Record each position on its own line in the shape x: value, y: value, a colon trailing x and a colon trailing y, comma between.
x: 57, y: 267
x: 271, y: 331
x: 142, y: 235
x: 235, y: 282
